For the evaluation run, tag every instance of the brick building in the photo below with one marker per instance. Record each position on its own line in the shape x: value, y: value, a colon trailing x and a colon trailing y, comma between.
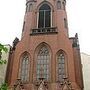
x: 45, y: 58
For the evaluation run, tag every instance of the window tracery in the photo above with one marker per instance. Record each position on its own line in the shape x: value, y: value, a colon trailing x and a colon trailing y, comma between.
x: 24, y: 69
x: 61, y: 66
x: 43, y: 59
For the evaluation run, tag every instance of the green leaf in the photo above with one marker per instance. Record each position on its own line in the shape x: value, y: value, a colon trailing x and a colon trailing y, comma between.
x: 3, y: 61
x: 3, y: 48
x: 4, y: 86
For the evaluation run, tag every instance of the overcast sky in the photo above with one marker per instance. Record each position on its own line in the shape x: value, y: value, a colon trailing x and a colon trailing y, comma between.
x: 12, y: 15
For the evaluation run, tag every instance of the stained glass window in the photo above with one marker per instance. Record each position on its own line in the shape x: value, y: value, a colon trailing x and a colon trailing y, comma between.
x: 43, y: 59
x: 61, y: 66
x: 24, y: 70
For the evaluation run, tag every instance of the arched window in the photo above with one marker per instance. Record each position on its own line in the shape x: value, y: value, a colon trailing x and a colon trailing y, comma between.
x: 23, y: 26
x: 65, y: 23
x: 58, y: 4
x: 63, y: 3
x: 29, y: 7
x: 24, y: 69
x: 43, y: 59
x: 26, y: 8
x: 44, y: 16
x: 61, y: 66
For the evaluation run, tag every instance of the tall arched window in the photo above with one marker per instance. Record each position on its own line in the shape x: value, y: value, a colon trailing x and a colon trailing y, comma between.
x: 61, y: 66
x: 44, y: 16
x: 43, y: 59
x: 24, y: 69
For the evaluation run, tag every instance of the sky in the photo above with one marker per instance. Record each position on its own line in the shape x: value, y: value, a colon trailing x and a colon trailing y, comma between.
x: 12, y: 15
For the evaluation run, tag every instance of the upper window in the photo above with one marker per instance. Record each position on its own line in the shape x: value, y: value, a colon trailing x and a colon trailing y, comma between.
x: 29, y: 7
x: 58, y: 4
x: 43, y: 59
x: 44, y: 16
x: 65, y: 23
x: 23, y: 26
x: 24, y: 69
x: 61, y: 66
x: 63, y: 3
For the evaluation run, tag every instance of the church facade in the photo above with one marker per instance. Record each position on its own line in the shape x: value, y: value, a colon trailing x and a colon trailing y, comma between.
x: 45, y: 58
